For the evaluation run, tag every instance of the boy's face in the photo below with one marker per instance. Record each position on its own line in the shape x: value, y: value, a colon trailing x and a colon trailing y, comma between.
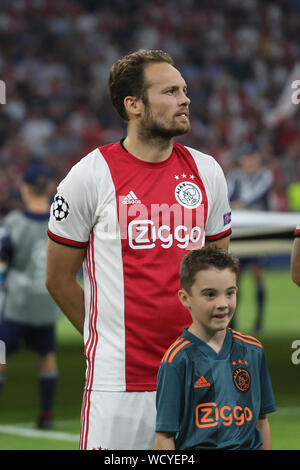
x: 212, y: 300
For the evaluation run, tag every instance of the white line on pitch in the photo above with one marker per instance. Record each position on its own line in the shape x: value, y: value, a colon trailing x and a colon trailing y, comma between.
x: 27, y: 432
x: 64, y: 436
x: 288, y: 410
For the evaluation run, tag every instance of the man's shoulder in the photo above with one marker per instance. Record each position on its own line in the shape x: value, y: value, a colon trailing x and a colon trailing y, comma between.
x: 207, y: 165
x: 99, y: 156
x: 197, y: 154
x: 93, y: 161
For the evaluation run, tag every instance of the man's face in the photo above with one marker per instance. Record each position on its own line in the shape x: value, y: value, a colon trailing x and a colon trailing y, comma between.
x: 166, y: 108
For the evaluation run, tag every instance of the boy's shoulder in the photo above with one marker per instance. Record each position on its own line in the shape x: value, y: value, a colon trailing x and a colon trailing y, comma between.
x: 250, y: 341
x: 176, y: 351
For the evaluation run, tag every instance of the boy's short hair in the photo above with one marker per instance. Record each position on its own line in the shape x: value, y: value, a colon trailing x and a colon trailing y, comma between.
x: 126, y: 76
x: 201, y: 259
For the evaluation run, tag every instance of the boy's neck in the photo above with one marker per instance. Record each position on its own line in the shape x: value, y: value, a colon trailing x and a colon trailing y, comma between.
x: 213, y: 339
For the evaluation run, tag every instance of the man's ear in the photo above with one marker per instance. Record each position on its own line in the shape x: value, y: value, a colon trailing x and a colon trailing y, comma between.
x: 184, y: 298
x: 133, y: 106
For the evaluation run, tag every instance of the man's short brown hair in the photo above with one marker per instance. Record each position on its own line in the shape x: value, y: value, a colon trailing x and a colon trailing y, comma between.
x: 126, y: 76
x: 201, y: 259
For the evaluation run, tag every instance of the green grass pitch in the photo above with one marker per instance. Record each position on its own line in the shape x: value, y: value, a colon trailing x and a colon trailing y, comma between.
x: 19, y: 402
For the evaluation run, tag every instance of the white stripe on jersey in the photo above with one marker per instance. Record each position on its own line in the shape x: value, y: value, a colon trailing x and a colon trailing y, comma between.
x: 104, y: 293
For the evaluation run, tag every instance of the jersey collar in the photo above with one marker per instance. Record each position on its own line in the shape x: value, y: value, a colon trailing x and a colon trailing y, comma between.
x: 206, y: 349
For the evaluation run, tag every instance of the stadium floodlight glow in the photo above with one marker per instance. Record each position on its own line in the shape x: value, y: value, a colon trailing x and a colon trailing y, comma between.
x: 2, y: 353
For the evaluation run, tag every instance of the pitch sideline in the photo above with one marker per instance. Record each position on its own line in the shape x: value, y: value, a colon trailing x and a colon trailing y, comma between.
x: 16, y: 430
x: 27, y: 432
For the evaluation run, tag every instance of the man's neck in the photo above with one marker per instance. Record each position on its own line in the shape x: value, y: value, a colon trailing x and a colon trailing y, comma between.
x: 154, y: 150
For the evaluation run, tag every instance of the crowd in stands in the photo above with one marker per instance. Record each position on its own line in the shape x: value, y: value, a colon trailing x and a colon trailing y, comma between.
x: 236, y: 56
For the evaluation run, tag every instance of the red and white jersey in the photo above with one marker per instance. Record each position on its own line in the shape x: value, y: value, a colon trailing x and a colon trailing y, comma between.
x: 297, y: 231
x: 136, y: 219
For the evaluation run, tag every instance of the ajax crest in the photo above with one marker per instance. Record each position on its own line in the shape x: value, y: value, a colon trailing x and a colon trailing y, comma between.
x: 242, y: 379
x: 188, y: 194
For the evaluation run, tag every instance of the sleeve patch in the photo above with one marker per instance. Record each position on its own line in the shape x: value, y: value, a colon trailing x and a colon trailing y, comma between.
x: 227, y: 218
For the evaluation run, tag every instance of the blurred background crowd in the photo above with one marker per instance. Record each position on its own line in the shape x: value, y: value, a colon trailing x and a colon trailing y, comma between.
x: 236, y: 56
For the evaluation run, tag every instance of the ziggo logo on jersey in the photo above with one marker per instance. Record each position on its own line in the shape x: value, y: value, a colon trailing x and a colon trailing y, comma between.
x: 159, y: 224
x: 208, y: 415
x: 143, y: 234
x: 164, y: 224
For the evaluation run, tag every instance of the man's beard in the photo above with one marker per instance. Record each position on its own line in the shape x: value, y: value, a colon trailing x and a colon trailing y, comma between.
x: 151, y: 129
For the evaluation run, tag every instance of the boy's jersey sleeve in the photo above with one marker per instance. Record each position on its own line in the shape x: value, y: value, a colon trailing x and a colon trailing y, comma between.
x: 297, y: 231
x: 267, y: 396
x: 218, y: 223
x: 168, y: 399
x: 73, y: 211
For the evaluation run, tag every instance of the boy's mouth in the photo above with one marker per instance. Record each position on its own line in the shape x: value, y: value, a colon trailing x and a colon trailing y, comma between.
x: 220, y: 316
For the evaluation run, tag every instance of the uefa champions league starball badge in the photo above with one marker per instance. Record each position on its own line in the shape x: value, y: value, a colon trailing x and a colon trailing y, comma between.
x: 60, y: 208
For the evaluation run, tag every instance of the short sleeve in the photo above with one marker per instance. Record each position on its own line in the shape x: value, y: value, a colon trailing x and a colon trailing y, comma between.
x: 297, y: 231
x: 168, y: 399
x: 218, y: 223
x: 72, y: 213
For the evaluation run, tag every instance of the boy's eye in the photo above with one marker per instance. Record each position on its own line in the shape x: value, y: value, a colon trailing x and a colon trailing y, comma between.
x: 209, y: 294
x: 230, y: 293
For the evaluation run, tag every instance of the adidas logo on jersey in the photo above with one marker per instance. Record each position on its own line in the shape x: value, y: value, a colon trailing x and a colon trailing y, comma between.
x: 131, y: 199
x: 201, y: 382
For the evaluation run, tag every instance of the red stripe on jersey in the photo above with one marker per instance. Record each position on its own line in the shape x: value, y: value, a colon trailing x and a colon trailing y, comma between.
x: 91, y: 344
x: 86, y: 399
x: 66, y: 241
x: 297, y: 232
x: 218, y: 236
x: 83, y: 421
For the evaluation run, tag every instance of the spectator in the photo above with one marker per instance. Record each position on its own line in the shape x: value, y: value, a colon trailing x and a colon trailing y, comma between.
x: 249, y: 189
x: 235, y: 56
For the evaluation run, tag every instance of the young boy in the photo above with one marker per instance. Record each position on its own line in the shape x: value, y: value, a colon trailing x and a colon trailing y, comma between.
x: 213, y: 389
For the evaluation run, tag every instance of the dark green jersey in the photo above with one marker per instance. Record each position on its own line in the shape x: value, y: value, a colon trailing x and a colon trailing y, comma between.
x: 210, y: 400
